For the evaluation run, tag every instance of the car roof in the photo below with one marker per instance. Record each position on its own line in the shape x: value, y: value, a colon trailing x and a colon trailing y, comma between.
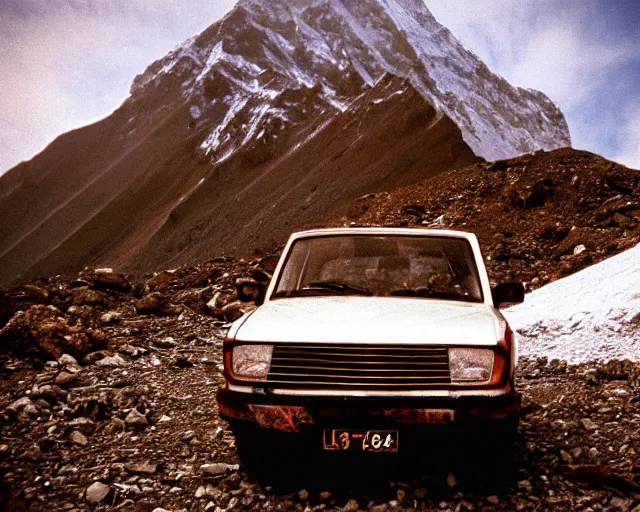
x: 384, y: 231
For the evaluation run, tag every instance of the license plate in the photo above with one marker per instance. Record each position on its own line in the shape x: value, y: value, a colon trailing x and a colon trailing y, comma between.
x: 361, y: 440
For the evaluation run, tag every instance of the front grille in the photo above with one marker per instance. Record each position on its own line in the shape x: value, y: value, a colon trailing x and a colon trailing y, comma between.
x: 352, y: 367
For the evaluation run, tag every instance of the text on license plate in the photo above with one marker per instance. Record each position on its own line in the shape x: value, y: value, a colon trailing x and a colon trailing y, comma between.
x: 361, y: 440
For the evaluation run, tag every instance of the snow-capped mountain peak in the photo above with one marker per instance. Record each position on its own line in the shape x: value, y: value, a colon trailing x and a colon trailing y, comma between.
x: 261, y: 49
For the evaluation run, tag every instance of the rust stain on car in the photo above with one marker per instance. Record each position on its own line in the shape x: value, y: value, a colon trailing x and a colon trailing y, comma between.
x: 284, y: 418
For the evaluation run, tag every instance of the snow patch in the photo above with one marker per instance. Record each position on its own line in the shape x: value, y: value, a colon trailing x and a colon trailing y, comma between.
x: 215, y: 140
x: 593, y: 315
x: 195, y: 112
x: 381, y: 100
x: 216, y: 55
x: 258, y: 115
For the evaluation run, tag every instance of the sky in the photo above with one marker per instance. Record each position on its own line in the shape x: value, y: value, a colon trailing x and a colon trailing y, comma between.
x: 67, y: 63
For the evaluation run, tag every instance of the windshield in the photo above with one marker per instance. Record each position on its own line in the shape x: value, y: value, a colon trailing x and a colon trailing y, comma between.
x: 381, y: 266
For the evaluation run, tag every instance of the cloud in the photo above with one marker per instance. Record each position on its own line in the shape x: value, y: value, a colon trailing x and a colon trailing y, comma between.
x: 578, y: 53
x: 66, y: 63
x: 629, y: 154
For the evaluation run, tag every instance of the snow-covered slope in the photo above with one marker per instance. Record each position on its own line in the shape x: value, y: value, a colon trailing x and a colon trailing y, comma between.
x: 238, y: 67
x: 593, y: 315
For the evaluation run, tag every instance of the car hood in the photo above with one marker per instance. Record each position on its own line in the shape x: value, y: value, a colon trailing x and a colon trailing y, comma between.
x: 372, y: 320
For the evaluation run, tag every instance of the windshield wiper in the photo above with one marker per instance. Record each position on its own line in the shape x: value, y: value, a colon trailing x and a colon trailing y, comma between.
x: 432, y: 294
x: 337, y: 286
x: 323, y: 288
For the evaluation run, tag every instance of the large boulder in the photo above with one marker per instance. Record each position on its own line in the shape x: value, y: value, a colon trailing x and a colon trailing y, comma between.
x: 157, y: 304
x: 107, y: 279
x: 44, y: 330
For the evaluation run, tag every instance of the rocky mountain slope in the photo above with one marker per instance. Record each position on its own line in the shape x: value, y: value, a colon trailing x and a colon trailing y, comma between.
x: 539, y: 217
x: 277, y: 116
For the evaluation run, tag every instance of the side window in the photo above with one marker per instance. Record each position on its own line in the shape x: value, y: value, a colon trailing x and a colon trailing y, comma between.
x: 294, y: 266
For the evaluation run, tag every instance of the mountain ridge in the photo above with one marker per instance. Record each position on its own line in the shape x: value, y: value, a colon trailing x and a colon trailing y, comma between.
x: 262, y: 102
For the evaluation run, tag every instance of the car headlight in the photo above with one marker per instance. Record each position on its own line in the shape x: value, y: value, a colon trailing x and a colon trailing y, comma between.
x: 470, y: 364
x: 251, y: 361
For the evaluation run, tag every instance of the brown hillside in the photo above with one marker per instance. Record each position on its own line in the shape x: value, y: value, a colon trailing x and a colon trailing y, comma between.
x: 532, y: 214
x: 149, y: 200
x: 374, y: 146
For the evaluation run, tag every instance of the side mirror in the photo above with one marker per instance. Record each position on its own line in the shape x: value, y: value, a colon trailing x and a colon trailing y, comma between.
x: 251, y: 291
x: 507, y: 293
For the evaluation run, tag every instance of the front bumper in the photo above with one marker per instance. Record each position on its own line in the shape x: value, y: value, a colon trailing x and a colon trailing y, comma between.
x: 300, y: 413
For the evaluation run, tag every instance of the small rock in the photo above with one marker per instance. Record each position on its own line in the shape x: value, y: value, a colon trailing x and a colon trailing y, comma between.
x: 351, y: 506
x: 97, y: 492
x: 168, y: 342
x: 214, y: 469
x: 64, y: 378
x: 593, y: 453
x: 20, y: 404
x: 579, y: 249
x: 67, y: 360
x: 187, y: 436
x: 144, y: 468
x: 129, y: 350
x: 494, y: 500
x: 620, y: 392
x: 112, y: 361
x: 401, y: 496
x: 156, y: 304
x: 77, y: 437
x: 135, y: 418
x: 620, y: 504
x: 107, y: 279
x: 50, y: 393
x: 83, y: 423
x: 325, y: 496
x: 110, y: 317
x: 452, y: 481
x: 32, y: 410
x: 303, y: 495
x: 588, y: 424
x: 623, y: 221
x: 206, y: 492
x: 566, y: 457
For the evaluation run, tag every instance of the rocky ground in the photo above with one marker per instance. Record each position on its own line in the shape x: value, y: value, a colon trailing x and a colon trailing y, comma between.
x: 539, y: 217
x: 108, y: 383
x: 108, y: 403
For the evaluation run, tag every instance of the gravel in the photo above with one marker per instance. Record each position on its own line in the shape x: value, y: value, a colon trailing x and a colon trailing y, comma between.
x: 154, y: 439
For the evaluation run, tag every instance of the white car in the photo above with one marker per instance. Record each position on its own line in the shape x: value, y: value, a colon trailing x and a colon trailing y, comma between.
x: 364, y: 340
